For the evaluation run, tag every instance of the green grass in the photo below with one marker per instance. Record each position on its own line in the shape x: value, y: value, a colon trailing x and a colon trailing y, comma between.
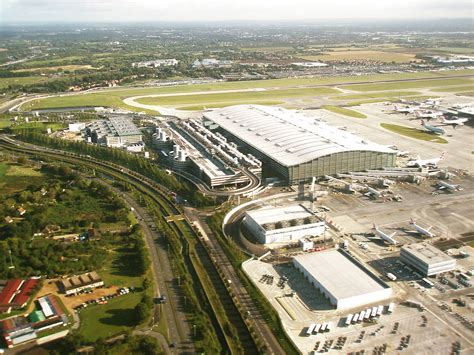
x: 5, y: 123
x: 344, y: 111
x: 453, y: 89
x: 408, y: 84
x: 17, y: 178
x: 41, y: 126
x: 119, y: 269
x: 112, y: 97
x: 375, y: 95
x: 413, y: 133
x: 239, y: 97
x: 27, y: 80
x: 225, y: 104
x: 3, y: 170
x: 454, y: 50
x: 466, y: 93
x: 102, y: 321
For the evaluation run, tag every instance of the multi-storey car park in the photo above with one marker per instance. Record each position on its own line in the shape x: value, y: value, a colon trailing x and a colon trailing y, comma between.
x: 426, y: 258
x: 116, y: 131
x: 283, y: 224
x: 295, y: 146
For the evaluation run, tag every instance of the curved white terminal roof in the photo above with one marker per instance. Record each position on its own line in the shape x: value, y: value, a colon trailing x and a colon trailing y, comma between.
x: 288, y: 137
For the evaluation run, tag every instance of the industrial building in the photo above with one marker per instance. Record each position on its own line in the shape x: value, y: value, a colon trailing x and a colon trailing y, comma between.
x: 344, y: 281
x: 295, y: 146
x: 116, y: 131
x: 283, y: 224
x: 76, y: 284
x: 426, y: 258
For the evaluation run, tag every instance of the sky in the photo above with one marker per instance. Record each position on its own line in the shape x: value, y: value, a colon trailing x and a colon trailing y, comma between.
x: 72, y: 11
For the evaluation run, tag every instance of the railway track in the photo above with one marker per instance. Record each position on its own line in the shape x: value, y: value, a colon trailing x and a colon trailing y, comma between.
x: 161, y: 196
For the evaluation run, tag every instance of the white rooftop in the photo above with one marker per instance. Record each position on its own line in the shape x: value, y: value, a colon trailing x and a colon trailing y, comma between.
x: 288, y: 137
x: 277, y: 214
x: 427, y: 253
x: 340, y: 276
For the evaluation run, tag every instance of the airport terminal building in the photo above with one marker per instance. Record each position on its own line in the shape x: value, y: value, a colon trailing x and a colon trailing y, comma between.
x: 345, y: 282
x: 296, y: 146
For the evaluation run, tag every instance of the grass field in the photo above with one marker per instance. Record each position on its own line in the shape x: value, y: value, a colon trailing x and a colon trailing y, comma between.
x: 112, y: 97
x: 454, y: 88
x: 362, y: 55
x: 16, y: 178
x: 71, y: 67
x: 454, y: 50
x: 102, y: 321
x: 225, y: 104
x: 376, y: 95
x: 465, y: 93
x: 119, y: 270
x: 413, y: 133
x: 4, y: 123
x: 41, y: 126
x: 27, y: 80
x: 409, y: 84
x: 344, y: 111
x: 238, y: 97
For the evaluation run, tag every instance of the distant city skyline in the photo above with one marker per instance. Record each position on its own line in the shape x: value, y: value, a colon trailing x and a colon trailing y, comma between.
x: 71, y: 11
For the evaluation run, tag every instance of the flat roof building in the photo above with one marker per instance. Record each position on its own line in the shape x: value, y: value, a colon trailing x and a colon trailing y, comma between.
x: 283, y: 224
x: 117, y: 131
x: 296, y: 146
x: 426, y: 258
x: 343, y: 280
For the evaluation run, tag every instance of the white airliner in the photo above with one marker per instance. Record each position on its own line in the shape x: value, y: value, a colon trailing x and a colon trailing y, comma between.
x: 422, y: 230
x: 420, y: 163
x: 388, y: 238
x: 454, y: 122
x: 428, y: 114
x: 444, y: 185
x: 406, y: 110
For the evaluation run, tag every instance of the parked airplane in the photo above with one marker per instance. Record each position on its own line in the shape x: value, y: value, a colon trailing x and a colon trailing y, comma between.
x: 406, y: 110
x: 454, y: 122
x: 420, y: 163
x: 387, y: 238
x: 371, y: 192
x: 421, y: 230
x: 428, y: 114
x: 444, y: 185
x: 431, y: 102
x: 432, y: 129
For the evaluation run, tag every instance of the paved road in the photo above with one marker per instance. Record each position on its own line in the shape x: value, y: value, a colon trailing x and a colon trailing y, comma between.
x: 166, y: 283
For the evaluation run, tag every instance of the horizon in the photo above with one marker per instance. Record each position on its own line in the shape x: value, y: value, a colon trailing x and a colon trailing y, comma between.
x: 186, y: 11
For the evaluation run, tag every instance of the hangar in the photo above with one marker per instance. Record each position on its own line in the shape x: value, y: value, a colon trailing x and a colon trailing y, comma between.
x: 296, y: 146
x: 342, y: 279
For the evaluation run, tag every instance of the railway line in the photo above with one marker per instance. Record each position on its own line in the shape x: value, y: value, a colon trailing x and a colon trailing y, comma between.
x: 162, y: 197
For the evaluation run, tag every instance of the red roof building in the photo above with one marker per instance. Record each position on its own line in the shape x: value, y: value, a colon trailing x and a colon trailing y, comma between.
x: 16, y: 293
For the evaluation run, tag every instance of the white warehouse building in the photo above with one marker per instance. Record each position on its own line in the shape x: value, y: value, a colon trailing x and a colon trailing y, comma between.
x: 283, y: 224
x: 426, y: 258
x: 345, y: 282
